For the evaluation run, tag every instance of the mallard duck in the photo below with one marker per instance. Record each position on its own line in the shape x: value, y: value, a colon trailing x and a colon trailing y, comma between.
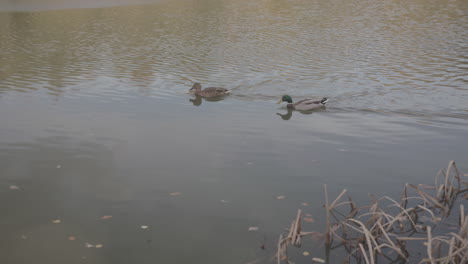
x: 208, y: 92
x: 303, y: 105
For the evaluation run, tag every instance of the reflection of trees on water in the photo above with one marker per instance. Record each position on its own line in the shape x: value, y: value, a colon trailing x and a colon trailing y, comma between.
x: 56, y: 49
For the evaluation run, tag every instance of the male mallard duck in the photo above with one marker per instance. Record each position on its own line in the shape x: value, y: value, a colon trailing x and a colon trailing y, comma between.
x: 303, y: 105
x: 208, y: 92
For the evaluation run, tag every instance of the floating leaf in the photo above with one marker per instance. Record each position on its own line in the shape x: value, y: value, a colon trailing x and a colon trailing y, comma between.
x: 304, y: 204
x: 319, y: 260
x: 281, y: 197
x: 106, y: 217
x: 305, y: 253
x: 98, y: 246
x: 14, y: 187
x: 71, y: 238
x: 88, y: 245
x: 175, y: 193
x: 253, y: 228
x: 144, y: 227
x: 57, y: 221
x: 309, y: 219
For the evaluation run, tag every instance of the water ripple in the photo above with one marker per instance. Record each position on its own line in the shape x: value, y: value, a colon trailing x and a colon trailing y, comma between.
x: 362, y: 54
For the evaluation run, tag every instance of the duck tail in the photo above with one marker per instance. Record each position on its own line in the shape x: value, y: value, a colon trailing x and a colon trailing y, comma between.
x: 324, y: 100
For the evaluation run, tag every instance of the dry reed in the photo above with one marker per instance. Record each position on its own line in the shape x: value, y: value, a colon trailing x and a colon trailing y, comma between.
x: 384, y: 229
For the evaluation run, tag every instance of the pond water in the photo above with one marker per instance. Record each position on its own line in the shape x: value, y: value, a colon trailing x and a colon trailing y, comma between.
x: 96, y: 120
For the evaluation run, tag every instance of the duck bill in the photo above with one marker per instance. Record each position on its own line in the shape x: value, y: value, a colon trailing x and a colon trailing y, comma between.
x: 280, y: 101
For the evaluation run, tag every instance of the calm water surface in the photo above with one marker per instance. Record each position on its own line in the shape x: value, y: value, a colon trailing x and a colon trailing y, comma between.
x: 95, y: 120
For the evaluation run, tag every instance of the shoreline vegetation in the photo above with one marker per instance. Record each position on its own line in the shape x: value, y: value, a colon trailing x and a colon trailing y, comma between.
x: 391, y: 231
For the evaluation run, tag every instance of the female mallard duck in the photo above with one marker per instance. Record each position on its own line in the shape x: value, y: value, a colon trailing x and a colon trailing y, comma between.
x: 303, y: 105
x: 208, y: 92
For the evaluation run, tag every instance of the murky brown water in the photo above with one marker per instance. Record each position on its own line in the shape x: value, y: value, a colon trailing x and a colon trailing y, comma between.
x: 95, y: 120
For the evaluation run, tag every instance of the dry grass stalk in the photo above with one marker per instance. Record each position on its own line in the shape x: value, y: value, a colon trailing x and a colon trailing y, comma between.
x: 327, y: 212
x: 371, y: 232
x: 295, y: 240
x: 278, y: 253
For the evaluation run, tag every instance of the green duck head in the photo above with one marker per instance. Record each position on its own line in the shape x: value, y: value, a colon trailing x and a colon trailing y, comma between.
x: 285, y: 98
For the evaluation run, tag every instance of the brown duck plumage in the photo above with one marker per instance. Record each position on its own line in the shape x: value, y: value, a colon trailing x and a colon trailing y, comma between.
x: 208, y: 92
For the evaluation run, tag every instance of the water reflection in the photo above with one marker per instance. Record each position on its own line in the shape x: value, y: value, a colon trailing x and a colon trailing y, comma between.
x: 375, y: 55
x: 289, y: 113
x: 197, y: 101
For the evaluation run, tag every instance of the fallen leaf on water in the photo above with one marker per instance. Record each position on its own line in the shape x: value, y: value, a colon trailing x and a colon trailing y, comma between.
x: 144, y: 227
x: 281, y: 197
x: 305, y: 253
x: 98, y: 246
x: 253, y: 228
x: 304, y: 204
x: 106, y: 217
x: 56, y: 221
x: 309, y: 219
x: 175, y: 193
x: 14, y: 187
x: 71, y: 238
x: 318, y: 260
x: 88, y: 245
